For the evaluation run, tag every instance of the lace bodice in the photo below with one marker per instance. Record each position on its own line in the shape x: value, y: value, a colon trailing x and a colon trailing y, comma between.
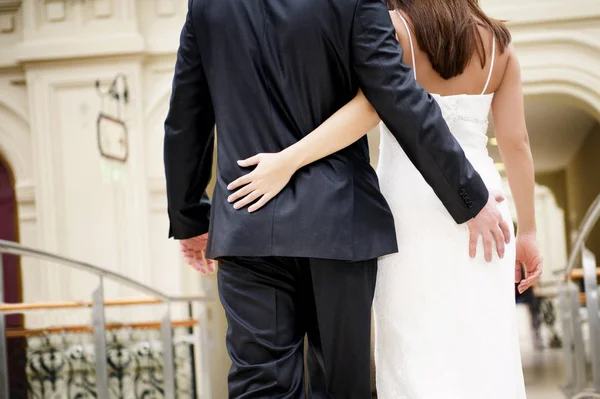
x: 467, y: 117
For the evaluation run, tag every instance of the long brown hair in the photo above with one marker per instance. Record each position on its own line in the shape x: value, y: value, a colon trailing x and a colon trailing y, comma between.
x: 448, y: 32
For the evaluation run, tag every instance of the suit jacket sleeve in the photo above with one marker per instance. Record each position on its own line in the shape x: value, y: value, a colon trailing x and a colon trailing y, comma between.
x: 411, y: 114
x: 189, y: 140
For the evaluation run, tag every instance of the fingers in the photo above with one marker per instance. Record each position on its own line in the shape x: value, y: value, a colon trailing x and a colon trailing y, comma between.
x: 498, y: 196
x: 534, y: 272
x: 505, y: 230
x: 529, y: 282
x: 260, y: 203
x: 242, y: 181
x: 242, y: 192
x: 487, y: 246
x: 473, y: 243
x: 208, y: 263
x: 193, y: 251
x: 202, y: 264
x: 499, y: 238
x: 199, y: 261
x: 518, y: 272
x: 255, y: 160
x: 250, y: 198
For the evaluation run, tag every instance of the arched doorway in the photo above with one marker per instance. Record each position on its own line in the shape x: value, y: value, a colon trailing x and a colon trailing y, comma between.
x: 11, y: 274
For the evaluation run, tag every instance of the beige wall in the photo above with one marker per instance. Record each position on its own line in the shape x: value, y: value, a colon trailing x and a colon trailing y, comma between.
x: 583, y: 185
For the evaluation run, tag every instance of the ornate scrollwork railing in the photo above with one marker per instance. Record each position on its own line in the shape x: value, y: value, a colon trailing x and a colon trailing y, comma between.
x: 61, y: 364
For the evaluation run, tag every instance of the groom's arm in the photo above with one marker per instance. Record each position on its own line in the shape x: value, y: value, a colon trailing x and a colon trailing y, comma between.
x: 411, y: 114
x: 189, y: 140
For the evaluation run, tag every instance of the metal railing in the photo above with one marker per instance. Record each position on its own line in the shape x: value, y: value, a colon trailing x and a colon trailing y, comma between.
x: 98, y: 322
x: 573, y: 315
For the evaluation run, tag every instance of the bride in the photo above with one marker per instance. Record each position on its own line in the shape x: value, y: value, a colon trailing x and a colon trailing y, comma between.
x: 444, y: 316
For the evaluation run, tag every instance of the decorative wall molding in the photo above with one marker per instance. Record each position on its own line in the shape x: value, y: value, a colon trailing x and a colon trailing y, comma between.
x: 77, y: 48
x: 157, y: 186
x: 68, y: 29
x: 534, y: 12
x: 10, y: 5
x: 15, y: 137
x: 8, y: 9
x: 14, y: 101
x: 102, y: 8
x: 547, y: 65
x: 7, y: 23
x: 581, y: 87
x: 55, y: 10
x: 165, y: 8
x: 578, y: 39
x: 25, y: 193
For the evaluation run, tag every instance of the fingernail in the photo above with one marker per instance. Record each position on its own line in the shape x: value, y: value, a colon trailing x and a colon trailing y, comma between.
x: 239, y: 162
x: 229, y: 187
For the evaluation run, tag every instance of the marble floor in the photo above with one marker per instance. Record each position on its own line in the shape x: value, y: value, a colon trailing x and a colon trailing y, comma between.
x: 543, y: 369
x: 543, y: 374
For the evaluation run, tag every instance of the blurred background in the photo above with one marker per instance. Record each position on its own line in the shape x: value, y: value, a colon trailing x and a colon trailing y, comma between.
x: 84, y: 91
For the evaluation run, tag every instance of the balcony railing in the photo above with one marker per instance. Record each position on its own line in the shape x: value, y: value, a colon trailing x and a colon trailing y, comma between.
x: 578, y: 309
x: 109, y: 360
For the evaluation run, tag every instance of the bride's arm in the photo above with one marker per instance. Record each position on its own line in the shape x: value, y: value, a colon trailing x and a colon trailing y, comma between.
x: 343, y: 128
x: 513, y: 142
x: 273, y: 171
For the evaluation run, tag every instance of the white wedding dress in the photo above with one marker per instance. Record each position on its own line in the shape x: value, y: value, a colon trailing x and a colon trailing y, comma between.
x: 445, y: 324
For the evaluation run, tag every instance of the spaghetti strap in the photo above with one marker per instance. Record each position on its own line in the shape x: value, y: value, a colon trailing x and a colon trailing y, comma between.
x: 491, y: 66
x: 412, y: 48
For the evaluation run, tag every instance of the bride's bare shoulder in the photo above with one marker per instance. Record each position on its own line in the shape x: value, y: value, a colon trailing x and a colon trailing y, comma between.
x: 506, y: 59
x: 512, y: 65
x: 397, y: 23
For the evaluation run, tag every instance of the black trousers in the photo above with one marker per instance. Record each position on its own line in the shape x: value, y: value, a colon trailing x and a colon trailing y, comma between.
x: 272, y: 303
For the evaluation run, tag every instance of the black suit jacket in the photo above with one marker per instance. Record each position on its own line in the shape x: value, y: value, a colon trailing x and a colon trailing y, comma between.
x: 268, y: 72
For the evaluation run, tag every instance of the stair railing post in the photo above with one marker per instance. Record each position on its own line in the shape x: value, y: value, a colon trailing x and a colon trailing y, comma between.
x: 578, y: 343
x: 166, y: 332
x: 591, y: 300
x: 564, y: 306
x: 204, y: 340
x: 99, y: 326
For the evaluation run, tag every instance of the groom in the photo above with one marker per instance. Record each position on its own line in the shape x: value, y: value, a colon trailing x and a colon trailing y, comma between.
x: 267, y: 72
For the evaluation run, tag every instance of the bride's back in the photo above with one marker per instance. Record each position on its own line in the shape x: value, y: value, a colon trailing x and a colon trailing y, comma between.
x: 461, y: 49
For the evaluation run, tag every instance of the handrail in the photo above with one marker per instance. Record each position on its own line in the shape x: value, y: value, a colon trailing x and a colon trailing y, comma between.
x: 147, y: 325
x: 61, y: 305
x: 587, y: 224
x: 13, y: 248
